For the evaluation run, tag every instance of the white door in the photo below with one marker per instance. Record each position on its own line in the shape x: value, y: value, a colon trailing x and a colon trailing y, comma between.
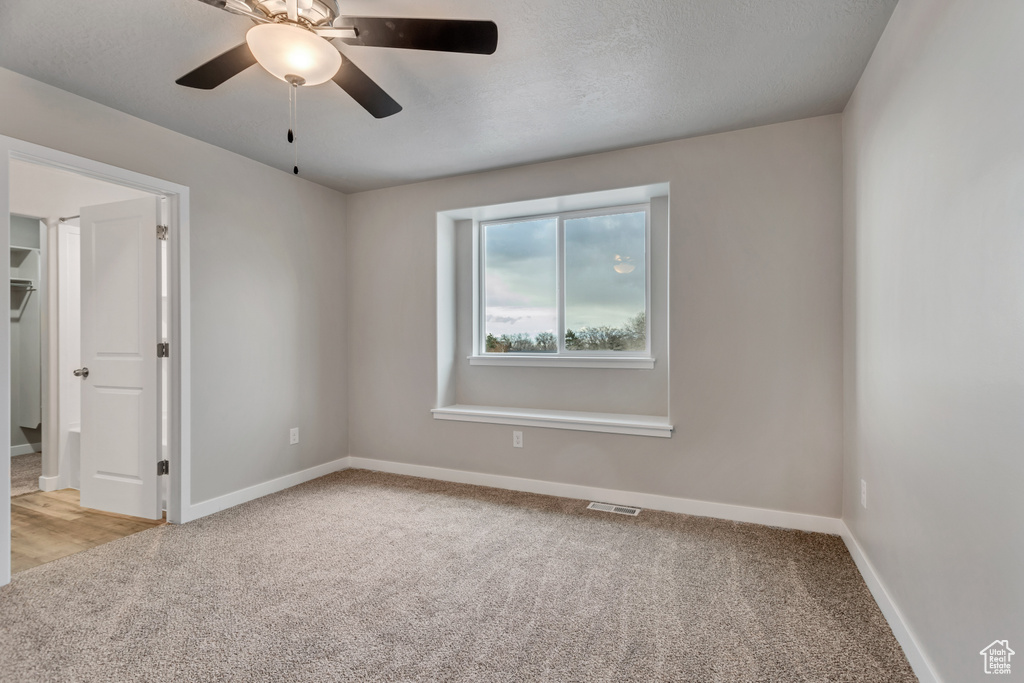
x: 120, y: 395
x: 69, y: 351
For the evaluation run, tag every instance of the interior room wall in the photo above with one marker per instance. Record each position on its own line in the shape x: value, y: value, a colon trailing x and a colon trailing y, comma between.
x: 934, y: 305
x: 755, y: 323
x: 50, y: 193
x: 268, y: 311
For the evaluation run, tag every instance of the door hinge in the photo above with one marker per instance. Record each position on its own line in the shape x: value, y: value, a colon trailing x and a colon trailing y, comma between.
x: 161, y: 232
x: 163, y: 350
x: 163, y: 467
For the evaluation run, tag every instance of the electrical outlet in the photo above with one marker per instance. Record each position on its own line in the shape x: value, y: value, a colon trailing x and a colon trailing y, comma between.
x: 517, y: 439
x: 863, y: 494
x: 293, y: 436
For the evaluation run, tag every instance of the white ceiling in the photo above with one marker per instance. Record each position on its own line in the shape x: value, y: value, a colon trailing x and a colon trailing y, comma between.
x: 569, y: 77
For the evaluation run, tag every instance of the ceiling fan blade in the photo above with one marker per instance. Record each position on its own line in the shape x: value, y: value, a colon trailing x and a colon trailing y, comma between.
x: 235, y: 9
x: 442, y: 35
x: 219, y: 69
x: 363, y: 90
x: 333, y: 32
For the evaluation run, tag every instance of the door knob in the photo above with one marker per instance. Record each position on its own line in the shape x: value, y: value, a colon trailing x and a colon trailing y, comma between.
x: 83, y: 373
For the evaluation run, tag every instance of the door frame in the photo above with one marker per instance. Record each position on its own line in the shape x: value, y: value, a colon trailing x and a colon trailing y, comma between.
x: 179, y: 370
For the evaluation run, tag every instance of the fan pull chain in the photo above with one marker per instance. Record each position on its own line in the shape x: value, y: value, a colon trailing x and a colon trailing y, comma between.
x: 291, y: 119
x: 293, y: 115
x: 295, y: 126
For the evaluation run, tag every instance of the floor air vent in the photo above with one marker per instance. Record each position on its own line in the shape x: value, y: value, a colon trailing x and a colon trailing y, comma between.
x: 617, y: 509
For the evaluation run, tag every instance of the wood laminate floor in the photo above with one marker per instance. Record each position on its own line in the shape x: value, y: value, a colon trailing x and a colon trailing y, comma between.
x: 48, y: 525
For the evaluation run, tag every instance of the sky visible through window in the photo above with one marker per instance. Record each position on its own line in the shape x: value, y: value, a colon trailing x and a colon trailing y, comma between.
x: 605, y: 275
x: 520, y: 277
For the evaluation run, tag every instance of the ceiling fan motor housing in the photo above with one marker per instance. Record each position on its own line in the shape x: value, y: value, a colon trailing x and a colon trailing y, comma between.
x: 313, y: 12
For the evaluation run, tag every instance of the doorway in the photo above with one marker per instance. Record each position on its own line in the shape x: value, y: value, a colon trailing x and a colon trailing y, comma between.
x: 107, y: 433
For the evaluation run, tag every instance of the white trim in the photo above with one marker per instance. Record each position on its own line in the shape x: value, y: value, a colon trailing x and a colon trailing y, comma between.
x: 51, y: 356
x: 179, y: 295
x: 51, y: 484
x: 5, y: 370
x: 540, y: 360
x: 228, y: 500
x: 599, y: 199
x: 25, y: 449
x: 919, y: 661
x: 651, y: 501
x: 609, y: 423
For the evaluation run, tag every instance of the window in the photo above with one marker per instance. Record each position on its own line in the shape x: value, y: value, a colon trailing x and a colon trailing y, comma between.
x: 568, y: 285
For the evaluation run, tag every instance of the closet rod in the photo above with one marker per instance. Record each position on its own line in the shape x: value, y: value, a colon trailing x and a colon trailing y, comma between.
x: 65, y: 219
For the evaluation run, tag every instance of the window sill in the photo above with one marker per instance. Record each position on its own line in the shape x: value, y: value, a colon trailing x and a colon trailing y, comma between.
x: 611, y: 423
x: 541, y: 361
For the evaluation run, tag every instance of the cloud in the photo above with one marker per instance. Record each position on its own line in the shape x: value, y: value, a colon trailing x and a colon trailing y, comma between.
x: 507, y: 319
x: 515, y: 319
x: 520, y: 271
x: 508, y: 244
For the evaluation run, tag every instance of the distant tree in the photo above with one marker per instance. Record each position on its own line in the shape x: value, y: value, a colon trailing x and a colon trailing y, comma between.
x: 572, y: 342
x: 546, y: 342
x: 637, y: 328
x: 520, y: 343
x: 495, y: 345
x: 632, y: 336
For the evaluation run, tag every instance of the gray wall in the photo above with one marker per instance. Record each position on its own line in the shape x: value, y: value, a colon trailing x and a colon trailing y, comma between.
x: 934, y: 230
x: 755, y: 323
x: 268, y: 304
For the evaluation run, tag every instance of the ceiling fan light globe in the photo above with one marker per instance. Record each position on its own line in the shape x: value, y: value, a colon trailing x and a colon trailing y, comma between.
x: 286, y: 50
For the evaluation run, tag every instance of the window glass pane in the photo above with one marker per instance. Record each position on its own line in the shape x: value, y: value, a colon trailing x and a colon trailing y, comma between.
x: 606, y: 283
x: 519, y: 287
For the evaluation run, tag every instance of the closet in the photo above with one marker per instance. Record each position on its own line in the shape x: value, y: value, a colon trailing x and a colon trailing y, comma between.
x: 26, y: 339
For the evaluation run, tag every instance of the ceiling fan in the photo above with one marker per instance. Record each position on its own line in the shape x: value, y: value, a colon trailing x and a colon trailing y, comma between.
x: 291, y: 41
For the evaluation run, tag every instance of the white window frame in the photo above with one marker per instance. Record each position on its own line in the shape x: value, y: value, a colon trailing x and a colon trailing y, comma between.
x: 562, y: 357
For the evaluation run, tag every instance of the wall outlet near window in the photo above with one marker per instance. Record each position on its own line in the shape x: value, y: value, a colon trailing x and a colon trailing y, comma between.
x: 863, y: 494
x: 517, y: 439
x: 293, y: 436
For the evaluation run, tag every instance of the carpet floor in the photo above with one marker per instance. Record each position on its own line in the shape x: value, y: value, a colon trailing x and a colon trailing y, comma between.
x: 25, y: 473
x: 362, y: 576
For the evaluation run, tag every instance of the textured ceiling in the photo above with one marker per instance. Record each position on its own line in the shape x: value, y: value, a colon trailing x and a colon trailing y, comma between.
x: 569, y: 77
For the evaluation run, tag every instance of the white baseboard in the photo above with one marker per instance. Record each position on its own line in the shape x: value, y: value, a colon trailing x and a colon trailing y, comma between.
x: 686, y: 506
x: 208, y: 507
x: 25, y: 449
x: 51, y: 484
x: 919, y: 662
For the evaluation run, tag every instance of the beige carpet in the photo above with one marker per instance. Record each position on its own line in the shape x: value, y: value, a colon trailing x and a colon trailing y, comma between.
x: 361, y: 576
x: 25, y: 473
